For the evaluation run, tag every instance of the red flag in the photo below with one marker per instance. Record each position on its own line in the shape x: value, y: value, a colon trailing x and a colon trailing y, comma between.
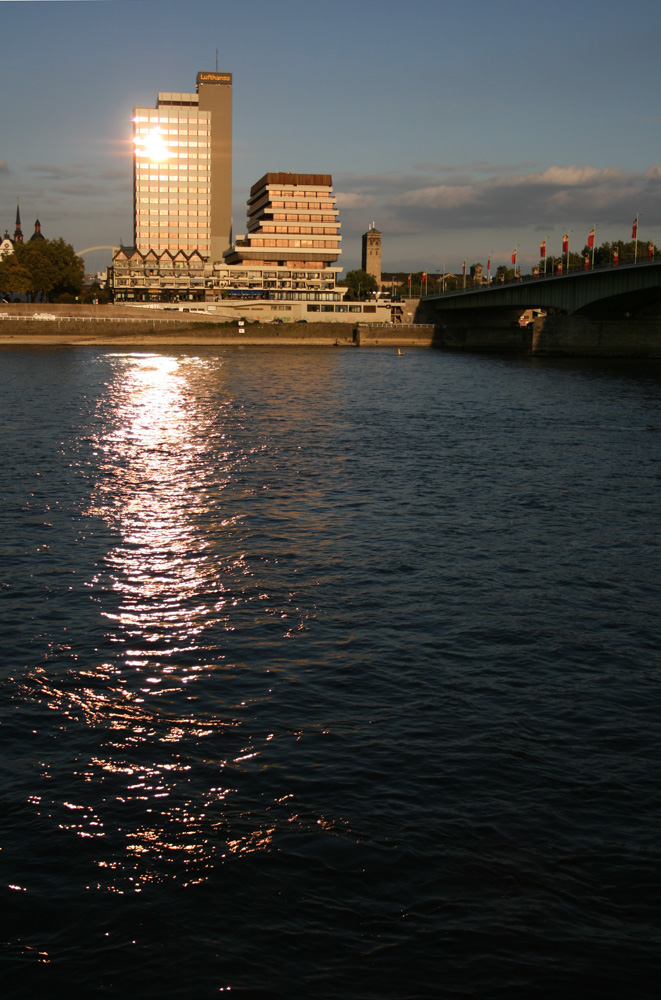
x: 424, y: 277
x: 616, y: 257
x: 587, y: 262
x: 591, y: 238
x: 514, y: 257
x: 463, y: 267
x: 560, y: 268
x: 634, y: 229
x: 565, y: 243
x: 542, y: 249
x: 489, y: 264
x: 409, y: 280
x: 650, y: 251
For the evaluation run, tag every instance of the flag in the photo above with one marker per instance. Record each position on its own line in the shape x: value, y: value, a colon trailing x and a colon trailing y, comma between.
x: 514, y: 257
x: 565, y: 243
x: 542, y: 249
x: 409, y: 282
x: 591, y: 238
x: 616, y: 257
x: 489, y: 264
x: 424, y: 277
x: 587, y: 262
x: 560, y: 267
x: 634, y: 229
x: 650, y: 251
x: 463, y: 268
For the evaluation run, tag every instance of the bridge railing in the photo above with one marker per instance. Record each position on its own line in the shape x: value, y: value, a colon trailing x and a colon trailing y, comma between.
x: 549, y: 276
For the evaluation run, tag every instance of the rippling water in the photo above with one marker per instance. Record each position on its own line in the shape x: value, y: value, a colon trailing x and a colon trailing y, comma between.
x: 328, y: 673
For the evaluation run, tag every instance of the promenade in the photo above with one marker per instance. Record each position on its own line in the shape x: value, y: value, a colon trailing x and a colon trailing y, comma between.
x: 39, y: 325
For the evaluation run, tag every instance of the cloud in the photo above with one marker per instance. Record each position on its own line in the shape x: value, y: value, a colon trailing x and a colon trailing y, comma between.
x: 346, y: 199
x: 468, y: 196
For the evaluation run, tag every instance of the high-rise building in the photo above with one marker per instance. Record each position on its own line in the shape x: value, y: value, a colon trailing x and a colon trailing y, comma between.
x: 292, y: 223
x: 371, y: 258
x: 183, y: 170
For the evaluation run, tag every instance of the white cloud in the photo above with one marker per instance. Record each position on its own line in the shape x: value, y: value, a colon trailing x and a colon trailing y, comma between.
x: 345, y: 199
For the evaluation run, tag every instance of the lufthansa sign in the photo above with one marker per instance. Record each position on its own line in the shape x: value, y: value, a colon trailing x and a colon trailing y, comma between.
x: 215, y: 77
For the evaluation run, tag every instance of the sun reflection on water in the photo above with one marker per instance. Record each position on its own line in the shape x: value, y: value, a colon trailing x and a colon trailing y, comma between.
x: 166, y: 597
x: 162, y: 698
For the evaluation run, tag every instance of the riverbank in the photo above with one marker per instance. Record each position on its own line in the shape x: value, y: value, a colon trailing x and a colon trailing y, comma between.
x: 23, y: 324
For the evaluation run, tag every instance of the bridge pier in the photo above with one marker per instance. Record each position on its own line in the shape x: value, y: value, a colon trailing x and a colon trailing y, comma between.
x: 580, y: 336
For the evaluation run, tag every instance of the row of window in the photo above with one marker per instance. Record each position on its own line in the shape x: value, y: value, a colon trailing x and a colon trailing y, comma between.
x: 318, y: 205
x: 295, y: 244
x: 252, y: 274
x: 172, y: 178
x: 174, y: 131
x: 342, y: 309
x: 157, y: 117
x: 170, y: 190
x: 300, y: 230
x: 298, y: 217
x: 173, y: 200
x: 301, y: 193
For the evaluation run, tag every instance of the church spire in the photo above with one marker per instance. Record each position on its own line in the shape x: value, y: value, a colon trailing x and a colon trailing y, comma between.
x: 18, y: 233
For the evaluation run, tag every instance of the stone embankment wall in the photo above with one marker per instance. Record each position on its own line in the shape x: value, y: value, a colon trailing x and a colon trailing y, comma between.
x: 26, y: 323
x: 471, y: 337
x: 575, y: 336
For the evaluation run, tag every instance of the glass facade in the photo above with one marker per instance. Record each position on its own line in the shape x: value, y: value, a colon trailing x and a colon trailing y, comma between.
x: 172, y: 182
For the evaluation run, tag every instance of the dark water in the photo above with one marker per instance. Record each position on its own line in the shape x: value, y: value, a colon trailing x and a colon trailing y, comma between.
x: 329, y: 674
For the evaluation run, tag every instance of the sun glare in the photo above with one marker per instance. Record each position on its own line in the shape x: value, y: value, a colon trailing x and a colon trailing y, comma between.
x: 152, y: 145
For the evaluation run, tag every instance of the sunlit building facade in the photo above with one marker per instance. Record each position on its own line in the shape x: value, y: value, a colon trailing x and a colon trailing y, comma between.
x: 371, y: 255
x: 183, y: 170
x: 292, y: 223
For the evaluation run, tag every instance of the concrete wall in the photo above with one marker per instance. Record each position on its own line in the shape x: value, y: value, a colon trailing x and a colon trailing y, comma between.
x: 511, y: 338
x: 575, y: 336
x: 369, y: 335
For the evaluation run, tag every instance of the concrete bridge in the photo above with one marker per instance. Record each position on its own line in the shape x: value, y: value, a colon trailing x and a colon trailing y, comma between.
x: 608, y: 293
x: 614, y: 311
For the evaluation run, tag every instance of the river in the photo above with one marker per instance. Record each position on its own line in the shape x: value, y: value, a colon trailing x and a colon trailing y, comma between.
x: 329, y: 673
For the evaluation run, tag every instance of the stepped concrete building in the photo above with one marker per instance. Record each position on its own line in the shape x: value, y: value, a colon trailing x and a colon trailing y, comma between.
x: 183, y: 170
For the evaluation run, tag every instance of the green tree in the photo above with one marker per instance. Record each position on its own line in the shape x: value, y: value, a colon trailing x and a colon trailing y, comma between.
x: 360, y: 284
x: 42, y: 267
x: 14, y: 277
x: 504, y: 273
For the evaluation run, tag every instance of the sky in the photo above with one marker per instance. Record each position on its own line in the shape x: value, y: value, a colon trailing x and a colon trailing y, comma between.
x: 461, y: 131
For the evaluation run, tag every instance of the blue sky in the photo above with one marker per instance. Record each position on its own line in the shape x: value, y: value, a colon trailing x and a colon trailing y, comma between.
x: 459, y: 130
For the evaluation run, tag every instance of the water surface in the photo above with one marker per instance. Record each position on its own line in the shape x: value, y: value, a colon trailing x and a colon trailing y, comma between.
x: 329, y: 673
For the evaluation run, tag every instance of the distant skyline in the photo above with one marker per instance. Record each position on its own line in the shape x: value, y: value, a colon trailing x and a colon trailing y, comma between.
x: 460, y: 132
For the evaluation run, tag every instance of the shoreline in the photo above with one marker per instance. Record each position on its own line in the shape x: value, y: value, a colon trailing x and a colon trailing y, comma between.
x: 164, y: 331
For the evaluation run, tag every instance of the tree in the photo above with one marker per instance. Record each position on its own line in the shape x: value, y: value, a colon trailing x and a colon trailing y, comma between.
x: 360, y: 284
x: 42, y: 267
x: 504, y: 273
x: 14, y: 277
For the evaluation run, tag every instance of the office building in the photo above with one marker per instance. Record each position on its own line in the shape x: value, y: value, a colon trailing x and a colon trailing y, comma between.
x: 292, y: 223
x: 183, y: 170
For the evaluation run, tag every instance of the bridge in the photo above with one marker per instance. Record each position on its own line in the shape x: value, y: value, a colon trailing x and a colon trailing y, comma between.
x: 610, y: 293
